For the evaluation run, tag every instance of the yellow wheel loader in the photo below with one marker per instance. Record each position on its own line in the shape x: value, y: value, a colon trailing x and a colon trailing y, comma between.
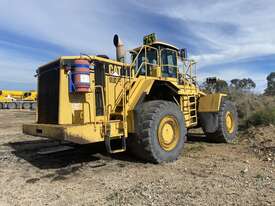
x: 147, y: 105
x: 10, y: 99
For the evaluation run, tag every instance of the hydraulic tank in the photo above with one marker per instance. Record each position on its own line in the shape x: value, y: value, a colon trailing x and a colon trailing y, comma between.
x: 81, y: 75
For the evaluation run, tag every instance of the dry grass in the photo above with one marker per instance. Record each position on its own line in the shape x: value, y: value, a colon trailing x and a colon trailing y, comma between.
x: 254, y: 109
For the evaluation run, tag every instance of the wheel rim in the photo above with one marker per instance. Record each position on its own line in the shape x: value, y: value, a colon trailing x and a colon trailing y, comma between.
x: 168, y: 133
x: 229, y: 122
x: 26, y: 106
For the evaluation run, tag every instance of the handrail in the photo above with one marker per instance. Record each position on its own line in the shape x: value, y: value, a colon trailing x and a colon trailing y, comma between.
x: 139, y: 68
x: 120, y: 94
x: 133, y: 64
x: 130, y: 69
x: 124, y: 116
x: 188, y: 70
x: 169, y: 65
x: 135, y: 59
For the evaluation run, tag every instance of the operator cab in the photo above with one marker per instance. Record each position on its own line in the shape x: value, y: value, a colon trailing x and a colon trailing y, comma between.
x: 156, y: 54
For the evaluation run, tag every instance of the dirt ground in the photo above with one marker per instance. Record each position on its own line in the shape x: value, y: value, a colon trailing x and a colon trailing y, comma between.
x: 206, y: 173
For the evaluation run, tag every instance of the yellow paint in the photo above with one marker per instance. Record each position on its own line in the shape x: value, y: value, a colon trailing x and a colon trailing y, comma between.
x: 4, y: 99
x: 142, y: 85
x: 65, y: 107
x: 13, y: 95
x: 168, y: 133
x: 210, y: 103
x: 80, y: 134
x: 93, y: 58
x: 77, y: 119
x: 229, y: 122
x: 30, y: 96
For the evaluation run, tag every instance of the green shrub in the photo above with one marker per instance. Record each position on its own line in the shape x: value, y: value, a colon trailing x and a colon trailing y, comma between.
x: 262, y: 117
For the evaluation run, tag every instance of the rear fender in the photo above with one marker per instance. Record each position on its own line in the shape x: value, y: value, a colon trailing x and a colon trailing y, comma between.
x: 210, y: 102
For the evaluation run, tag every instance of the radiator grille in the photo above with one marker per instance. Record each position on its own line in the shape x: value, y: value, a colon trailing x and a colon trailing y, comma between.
x: 48, y: 93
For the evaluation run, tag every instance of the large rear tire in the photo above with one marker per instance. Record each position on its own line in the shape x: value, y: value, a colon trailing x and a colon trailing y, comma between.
x: 34, y: 106
x: 160, y: 132
x: 226, y: 131
x: 12, y: 105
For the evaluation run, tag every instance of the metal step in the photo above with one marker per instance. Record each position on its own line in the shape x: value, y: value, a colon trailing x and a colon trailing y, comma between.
x: 109, y: 147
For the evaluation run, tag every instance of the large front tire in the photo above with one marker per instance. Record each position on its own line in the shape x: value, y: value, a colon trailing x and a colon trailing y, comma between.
x: 160, y: 132
x: 227, y: 124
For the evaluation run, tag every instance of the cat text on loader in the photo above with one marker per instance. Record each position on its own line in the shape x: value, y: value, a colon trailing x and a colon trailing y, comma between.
x: 147, y: 105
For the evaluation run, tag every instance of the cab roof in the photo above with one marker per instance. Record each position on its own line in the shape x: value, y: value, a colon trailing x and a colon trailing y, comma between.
x: 159, y: 43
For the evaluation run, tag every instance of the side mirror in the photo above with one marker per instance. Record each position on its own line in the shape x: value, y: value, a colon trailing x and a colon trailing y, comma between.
x: 183, y: 53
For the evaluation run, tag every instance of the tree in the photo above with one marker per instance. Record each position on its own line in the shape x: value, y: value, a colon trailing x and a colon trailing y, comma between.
x: 270, y: 90
x: 213, y: 84
x: 242, y: 84
x: 221, y: 86
x: 248, y: 84
x: 235, y: 83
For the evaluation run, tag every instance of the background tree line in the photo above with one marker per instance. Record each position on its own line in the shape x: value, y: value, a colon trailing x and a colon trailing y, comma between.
x: 213, y: 84
x: 253, y: 109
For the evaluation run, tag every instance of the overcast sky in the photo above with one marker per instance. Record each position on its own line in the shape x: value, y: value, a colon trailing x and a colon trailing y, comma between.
x: 229, y: 39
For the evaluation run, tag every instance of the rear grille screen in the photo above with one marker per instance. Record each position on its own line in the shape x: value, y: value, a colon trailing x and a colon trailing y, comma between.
x: 48, y: 93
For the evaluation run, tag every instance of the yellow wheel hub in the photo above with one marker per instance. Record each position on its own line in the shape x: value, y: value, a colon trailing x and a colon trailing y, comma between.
x: 168, y: 133
x: 229, y: 122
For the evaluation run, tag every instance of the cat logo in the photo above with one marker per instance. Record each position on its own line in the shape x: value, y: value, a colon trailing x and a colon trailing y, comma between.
x: 114, y: 70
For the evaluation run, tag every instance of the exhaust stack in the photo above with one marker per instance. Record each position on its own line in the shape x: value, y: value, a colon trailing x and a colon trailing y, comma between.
x: 120, y: 50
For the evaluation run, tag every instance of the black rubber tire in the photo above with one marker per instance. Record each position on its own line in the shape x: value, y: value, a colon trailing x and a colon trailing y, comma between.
x: 12, y: 105
x: 26, y: 105
x: 221, y: 135
x: 144, y: 143
x: 34, y: 106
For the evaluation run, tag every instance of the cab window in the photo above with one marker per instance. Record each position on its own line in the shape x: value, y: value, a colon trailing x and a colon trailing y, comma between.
x: 169, y: 63
x: 150, y: 60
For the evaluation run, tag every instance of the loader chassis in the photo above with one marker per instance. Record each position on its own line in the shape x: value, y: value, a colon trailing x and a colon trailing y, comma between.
x: 118, y: 93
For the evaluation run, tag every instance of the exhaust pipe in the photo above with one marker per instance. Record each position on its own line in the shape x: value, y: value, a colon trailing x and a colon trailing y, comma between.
x: 120, y: 50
